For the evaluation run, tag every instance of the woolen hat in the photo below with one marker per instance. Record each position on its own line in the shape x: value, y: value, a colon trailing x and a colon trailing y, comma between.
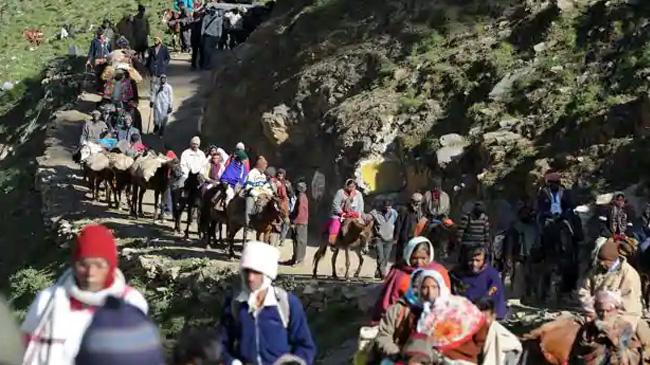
x: 97, y: 241
x: 261, y: 257
x: 240, y: 146
x: 301, y: 187
x: 120, y: 334
x: 195, y: 140
x: 609, y: 251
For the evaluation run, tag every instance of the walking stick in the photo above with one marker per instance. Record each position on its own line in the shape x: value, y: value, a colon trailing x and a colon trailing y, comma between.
x: 150, y: 118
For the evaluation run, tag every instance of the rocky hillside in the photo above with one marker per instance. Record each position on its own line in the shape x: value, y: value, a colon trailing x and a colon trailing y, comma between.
x: 394, y: 90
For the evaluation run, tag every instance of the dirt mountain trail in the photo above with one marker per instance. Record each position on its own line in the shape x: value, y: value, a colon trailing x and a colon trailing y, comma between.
x: 143, y: 234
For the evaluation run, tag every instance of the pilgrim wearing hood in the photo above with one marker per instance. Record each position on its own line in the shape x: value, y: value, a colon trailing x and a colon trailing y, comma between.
x: 59, y: 316
x: 263, y: 323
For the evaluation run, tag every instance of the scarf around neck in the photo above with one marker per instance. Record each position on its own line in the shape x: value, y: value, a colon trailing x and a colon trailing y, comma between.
x: 250, y: 297
x: 82, y: 298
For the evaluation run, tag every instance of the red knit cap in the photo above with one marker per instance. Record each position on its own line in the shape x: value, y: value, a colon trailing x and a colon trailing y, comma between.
x: 97, y: 241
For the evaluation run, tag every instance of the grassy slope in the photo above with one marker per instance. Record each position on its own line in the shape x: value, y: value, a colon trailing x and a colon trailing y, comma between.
x: 24, y: 240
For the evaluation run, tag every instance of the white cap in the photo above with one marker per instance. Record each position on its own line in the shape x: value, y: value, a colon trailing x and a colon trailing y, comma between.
x: 240, y: 146
x: 195, y: 140
x: 260, y: 257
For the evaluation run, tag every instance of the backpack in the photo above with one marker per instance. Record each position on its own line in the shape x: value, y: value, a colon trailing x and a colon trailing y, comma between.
x: 284, y: 309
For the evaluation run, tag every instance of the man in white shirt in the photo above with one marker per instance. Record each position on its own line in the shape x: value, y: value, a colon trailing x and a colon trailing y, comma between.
x: 257, y: 183
x: 193, y: 160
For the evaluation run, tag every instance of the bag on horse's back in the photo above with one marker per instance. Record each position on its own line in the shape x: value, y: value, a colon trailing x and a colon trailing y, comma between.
x: 120, y: 161
x: 148, y: 167
x: 97, y: 162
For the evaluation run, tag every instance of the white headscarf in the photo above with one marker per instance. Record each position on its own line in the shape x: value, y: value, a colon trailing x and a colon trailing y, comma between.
x: 412, y: 244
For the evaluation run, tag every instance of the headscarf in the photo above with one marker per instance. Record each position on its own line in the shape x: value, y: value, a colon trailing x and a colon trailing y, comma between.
x: 608, y: 251
x: 608, y: 298
x: 412, y: 244
x: 223, y: 154
x: 263, y: 258
x: 451, y: 320
x: 422, y: 274
x: 240, y: 155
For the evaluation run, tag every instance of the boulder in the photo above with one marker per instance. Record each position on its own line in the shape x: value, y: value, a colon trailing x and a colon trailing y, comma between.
x: 276, y: 124
x: 501, y: 138
x: 453, y: 146
x: 501, y: 91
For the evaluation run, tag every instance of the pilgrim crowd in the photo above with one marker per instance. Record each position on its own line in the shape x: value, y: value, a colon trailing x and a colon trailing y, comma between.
x: 425, y: 313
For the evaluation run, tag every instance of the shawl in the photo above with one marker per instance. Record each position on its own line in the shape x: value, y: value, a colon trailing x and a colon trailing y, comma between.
x: 450, y: 321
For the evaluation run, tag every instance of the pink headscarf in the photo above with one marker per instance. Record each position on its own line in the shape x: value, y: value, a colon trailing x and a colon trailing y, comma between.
x: 451, y: 320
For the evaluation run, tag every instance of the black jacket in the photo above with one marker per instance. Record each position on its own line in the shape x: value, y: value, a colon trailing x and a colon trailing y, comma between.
x: 157, y: 63
x: 407, y: 219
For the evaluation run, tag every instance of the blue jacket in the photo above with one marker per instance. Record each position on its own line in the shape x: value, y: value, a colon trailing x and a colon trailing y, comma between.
x: 235, y: 173
x: 263, y: 340
x: 486, y: 283
x: 98, y: 49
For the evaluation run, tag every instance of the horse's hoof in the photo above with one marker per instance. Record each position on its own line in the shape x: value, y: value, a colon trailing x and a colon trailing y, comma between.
x: 356, y: 276
x: 314, y: 276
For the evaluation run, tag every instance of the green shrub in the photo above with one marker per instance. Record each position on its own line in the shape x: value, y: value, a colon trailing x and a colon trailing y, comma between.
x: 25, y: 284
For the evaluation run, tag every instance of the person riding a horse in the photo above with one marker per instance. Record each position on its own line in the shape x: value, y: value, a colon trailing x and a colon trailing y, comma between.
x: 234, y: 177
x: 347, y: 204
x: 257, y: 186
x: 436, y: 204
x: 214, y: 168
x: 554, y: 202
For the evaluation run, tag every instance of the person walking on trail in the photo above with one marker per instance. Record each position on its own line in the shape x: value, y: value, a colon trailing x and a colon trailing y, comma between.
x: 184, y: 22
x: 158, y: 59
x: 474, y: 229
x: 195, y: 40
x: 347, y: 203
x: 162, y: 102
x: 211, y: 31
x: 262, y: 323
x: 94, y: 128
x: 176, y: 4
x: 99, y: 50
x: 120, y: 334
x: 476, y: 279
x: 384, y: 238
x: 257, y: 184
x: 140, y: 32
x: 193, y: 160
x: 284, y: 191
x: 406, y: 226
x: 300, y: 219
x: 59, y: 316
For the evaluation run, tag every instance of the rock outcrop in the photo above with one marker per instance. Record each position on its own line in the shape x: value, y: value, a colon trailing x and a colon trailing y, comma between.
x: 501, y: 90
